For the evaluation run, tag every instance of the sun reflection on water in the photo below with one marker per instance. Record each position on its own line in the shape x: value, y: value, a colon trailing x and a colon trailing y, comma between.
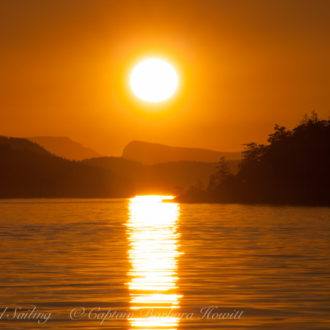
x: 153, y: 254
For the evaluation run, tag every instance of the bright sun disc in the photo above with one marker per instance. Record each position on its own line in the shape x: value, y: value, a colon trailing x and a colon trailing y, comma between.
x: 154, y: 80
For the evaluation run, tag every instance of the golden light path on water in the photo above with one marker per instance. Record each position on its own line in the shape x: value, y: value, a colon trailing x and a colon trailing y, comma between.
x: 153, y: 254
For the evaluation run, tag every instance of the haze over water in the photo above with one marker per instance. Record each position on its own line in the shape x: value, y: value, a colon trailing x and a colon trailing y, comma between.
x: 163, y: 265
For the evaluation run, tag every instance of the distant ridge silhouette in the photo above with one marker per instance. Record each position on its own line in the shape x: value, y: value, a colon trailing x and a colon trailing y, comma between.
x: 153, y: 153
x: 64, y: 147
x: 27, y: 170
x: 171, y: 177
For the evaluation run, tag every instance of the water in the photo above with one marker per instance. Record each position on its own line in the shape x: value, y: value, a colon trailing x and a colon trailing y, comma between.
x: 147, y: 264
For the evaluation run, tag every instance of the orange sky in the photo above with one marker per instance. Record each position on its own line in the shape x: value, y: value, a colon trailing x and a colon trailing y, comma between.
x: 244, y: 65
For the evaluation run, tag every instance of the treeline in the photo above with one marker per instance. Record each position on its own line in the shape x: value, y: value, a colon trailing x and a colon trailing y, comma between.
x: 293, y: 168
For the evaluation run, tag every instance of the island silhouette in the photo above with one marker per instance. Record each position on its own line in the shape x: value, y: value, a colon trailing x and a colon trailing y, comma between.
x: 293, y: 168
x: 29, y: 170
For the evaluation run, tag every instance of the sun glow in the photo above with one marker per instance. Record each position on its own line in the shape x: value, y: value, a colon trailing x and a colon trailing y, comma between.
x: 154, y: 80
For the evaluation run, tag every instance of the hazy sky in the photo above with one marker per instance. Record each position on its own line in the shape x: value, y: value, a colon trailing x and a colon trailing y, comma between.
x: 244, y: 65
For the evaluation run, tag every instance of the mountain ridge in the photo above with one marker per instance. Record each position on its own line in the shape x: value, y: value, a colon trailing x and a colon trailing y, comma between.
x: 153, y: 153
x: 27, y: 170
x: 64, y: 147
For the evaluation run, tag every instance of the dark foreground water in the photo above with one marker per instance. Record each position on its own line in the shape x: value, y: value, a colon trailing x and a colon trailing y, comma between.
x: 146, y: 264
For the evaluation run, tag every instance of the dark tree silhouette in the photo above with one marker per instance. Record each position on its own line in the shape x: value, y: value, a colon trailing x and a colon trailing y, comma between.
x: 222, y: 174
x: 293, y: 168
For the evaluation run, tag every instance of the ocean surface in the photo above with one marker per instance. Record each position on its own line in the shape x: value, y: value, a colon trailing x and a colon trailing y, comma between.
x: 148, y: 263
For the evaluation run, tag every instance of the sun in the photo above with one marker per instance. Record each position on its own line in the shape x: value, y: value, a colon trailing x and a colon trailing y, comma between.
x: 154, y: 80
